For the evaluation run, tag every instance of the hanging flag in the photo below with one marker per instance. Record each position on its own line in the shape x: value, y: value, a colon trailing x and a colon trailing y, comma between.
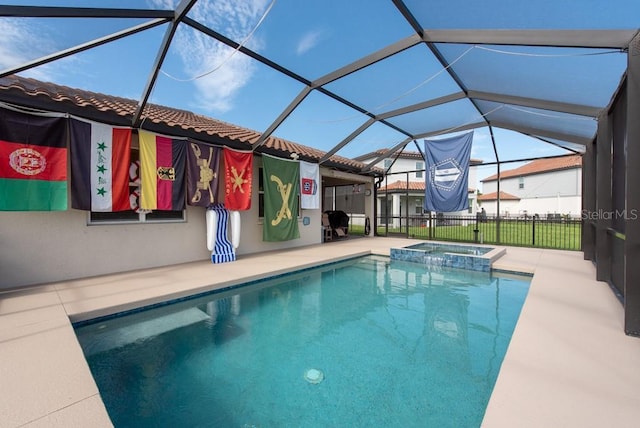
x: 309, y: 179
x: 237, y: 178
x: 33, y: 162
x: 162, y: 167
x: 447, y: 167
x: 100, y: 157
x: 281, y: 180
x: 202, y: 174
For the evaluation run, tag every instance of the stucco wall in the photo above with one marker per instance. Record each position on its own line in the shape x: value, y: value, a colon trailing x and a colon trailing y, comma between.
x: 510, y: 207
x: 38, y: 247
x: 549, y: 184
x: 571, y: 205
x: 552, y: 192
x: 43, y: 247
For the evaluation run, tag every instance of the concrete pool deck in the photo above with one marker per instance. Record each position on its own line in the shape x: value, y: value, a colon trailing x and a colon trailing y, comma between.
x: 569, y: 363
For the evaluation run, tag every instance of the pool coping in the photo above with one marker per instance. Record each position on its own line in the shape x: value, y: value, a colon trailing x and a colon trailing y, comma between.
x: 568, y: 363
x: 474, y: 262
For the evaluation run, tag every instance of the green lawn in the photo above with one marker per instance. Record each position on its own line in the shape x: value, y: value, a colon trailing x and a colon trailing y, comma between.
x: 566, y: 236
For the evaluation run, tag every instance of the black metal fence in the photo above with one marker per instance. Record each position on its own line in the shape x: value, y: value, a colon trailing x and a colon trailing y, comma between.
x: 553, y: 231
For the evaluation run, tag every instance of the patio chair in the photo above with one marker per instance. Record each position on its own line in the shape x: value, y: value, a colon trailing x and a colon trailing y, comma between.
x: 338, y: 222
x: 327, y: 230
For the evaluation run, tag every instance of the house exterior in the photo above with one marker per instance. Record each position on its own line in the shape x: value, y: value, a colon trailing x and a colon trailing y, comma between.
x: 508, y: 202
x: 48, y: 246
x: 404, y: 188
x: 547, y: 187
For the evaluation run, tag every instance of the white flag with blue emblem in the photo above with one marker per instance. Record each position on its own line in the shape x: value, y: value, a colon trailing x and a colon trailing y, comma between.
x: 309, y: 191
x: 447, y: 173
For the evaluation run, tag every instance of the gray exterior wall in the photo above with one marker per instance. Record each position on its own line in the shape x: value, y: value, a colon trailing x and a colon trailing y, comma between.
x: 45, y: 247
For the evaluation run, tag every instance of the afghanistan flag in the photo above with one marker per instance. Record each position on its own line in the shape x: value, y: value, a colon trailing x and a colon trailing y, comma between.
x: 202, y: 174
x: 281, y: 189
x: 162, y: 165
x: 100, y: 156
x: 33, y: 162
x: 237, y: 179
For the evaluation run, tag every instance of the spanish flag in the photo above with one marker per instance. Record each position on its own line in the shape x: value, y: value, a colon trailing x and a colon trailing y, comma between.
x: 33, y: 162
x: 162, y: 165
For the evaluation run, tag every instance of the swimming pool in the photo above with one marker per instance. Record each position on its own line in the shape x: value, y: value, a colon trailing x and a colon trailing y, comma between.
x: 397, y: 345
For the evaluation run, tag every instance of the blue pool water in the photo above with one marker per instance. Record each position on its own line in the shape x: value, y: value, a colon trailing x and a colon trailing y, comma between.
x: 399, y: 345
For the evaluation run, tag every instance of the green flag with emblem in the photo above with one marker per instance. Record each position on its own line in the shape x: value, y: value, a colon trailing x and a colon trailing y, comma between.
x: 281, y: 181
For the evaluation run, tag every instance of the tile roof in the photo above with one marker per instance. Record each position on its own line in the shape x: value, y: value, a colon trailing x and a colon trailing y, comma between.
x: 402, y: 185
x: 539, y: 166
x: 167, y: 120
x: 493, y: 196
x: 404, y: 154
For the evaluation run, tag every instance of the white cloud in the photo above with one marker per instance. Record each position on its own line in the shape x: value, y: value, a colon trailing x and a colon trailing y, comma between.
x: 201, y: 54
x: 482, y: 146
x: 20, y: 44
x: 308, y: 41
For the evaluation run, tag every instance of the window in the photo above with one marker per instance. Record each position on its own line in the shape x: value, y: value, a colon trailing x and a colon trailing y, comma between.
x: 419, y: 204
x: 419, y: 169
x: 387, y: 163
x: 521, y: 183
x: 135, y: 215
x: 470, y: 209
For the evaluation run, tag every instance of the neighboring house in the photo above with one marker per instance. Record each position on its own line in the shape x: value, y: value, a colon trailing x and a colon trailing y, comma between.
x: 408, y: 168
x: 547, y: 187
x: 39, y: 247
x: 508, y: 202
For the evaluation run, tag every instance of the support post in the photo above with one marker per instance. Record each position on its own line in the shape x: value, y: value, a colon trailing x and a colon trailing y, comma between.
x: 602, y: 214
x: 632, y: 221
x: 588, y: 201
x: 495, y: 150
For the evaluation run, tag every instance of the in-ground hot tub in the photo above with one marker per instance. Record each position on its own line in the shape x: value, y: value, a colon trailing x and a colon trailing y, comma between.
x: 450, y: 255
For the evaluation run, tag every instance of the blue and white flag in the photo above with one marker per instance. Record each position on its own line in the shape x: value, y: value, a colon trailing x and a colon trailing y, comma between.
x: 447, y: 173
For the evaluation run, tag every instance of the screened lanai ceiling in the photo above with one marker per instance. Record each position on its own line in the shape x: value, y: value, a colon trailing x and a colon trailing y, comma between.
x: 346, y: 77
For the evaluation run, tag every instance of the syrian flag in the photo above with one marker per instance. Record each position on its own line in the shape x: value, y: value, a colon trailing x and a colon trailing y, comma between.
x: 100, y: 157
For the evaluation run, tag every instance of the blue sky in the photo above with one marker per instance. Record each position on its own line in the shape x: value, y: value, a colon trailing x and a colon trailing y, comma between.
x: 311, y: 38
